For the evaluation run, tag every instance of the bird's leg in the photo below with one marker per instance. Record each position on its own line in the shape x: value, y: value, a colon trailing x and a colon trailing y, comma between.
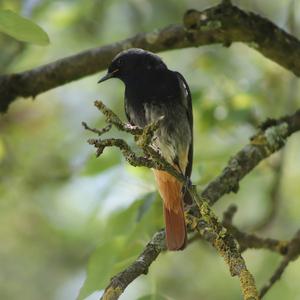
x: 186, y: 185
x: 187, y: 181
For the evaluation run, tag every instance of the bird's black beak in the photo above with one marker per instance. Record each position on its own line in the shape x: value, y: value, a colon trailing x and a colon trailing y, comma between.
x: 108, y: 75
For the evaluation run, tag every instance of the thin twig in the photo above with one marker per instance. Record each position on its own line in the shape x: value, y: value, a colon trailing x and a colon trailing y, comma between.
x: 274, y: 194
x: 95, y: 130
x: 112, y: 118
x: 252, y: 241
x: 292, y: 254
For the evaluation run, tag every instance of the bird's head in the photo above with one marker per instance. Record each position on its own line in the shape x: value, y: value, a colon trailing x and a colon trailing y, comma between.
x: 133, y: 63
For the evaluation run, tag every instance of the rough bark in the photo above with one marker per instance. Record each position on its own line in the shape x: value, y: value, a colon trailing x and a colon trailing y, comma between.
x: 223, y: 24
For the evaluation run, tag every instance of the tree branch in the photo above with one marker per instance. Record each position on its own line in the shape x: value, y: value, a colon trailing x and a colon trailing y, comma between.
x: 270, y: 138
x: 223, y: 24
x: 199, y: 216
x: 292, y: 254
x: 289, y: 249
x: 252, y: 241
x: 140, y: 266
x: 274, y: 194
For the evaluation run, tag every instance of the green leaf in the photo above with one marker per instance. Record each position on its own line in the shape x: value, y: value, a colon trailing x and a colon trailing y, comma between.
x: 115, y: 253
x: 100, y: 266
x: 107, y: 260
x: 126, y: 234
x: 146, y: 204
x: 22, y: 29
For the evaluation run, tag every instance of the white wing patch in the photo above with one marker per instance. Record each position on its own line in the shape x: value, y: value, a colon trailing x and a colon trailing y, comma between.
x: 184, y: 92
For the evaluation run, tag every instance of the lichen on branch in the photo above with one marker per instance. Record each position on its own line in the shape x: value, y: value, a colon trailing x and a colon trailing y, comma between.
x: 200, y: 218
x: 199, y: 215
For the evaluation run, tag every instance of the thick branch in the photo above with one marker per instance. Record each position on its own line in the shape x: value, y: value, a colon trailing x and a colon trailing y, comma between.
x: 268, y: 140
x: 220, y: 24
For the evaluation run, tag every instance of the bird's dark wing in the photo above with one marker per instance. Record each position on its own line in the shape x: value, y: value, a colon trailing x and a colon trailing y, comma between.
x: 186, y: 99
x: 127, y: 112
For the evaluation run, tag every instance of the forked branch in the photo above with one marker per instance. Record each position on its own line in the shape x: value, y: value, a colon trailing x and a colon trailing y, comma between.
x: 221, y: 24
x: 199, y: 216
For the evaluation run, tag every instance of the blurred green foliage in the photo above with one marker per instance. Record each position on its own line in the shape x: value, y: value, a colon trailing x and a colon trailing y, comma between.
x: 21, y: 28
x: 125, y: 235
x: 62, y: 211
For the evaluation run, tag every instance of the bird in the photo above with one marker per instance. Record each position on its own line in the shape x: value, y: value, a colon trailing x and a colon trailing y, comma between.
x: 153, y: 92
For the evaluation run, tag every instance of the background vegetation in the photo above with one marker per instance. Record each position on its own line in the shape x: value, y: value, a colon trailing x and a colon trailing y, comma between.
x: 63, y: 212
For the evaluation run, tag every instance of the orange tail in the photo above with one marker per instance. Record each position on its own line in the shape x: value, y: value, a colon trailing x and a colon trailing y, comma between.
x: 171, y: 192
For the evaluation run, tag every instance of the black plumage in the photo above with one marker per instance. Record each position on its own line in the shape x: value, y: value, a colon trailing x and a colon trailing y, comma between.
x: 152, y: 91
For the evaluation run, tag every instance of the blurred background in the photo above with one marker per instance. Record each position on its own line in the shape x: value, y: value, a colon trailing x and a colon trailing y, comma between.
x: 65, y: 214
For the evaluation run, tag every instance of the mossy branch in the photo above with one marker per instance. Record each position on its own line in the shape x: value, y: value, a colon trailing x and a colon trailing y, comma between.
x: 270, y: 138
x: 199, y: 215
